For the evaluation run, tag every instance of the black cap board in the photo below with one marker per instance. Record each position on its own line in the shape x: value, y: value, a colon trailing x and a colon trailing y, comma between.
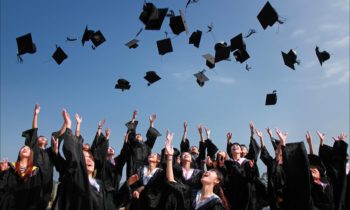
x: 322, y: 56
x: 164, y: 46
x: 195, y: 38
x: 152, y: 17
x: 97, y: 38
x: 122, y: 84
x: 271, y: 98
x: 267, y: 16
x: 151, y: 77
x: 178, y: 24
x: 290, y: 58
x: 132, y: 43
x: 222, y: 51
x: 237, y: 43
x: 59, y: 55
x: 210, y: 60
x: 241, y: 55
x: 25, y: 44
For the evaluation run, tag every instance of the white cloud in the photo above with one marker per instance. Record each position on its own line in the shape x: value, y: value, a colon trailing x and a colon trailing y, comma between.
x: 342, y: 42
x: 181, y: 75
x: 330, y: 27
x: 224, y: 80
x: 309, y: 64
x: 297, y: 33
x: 341, y: 4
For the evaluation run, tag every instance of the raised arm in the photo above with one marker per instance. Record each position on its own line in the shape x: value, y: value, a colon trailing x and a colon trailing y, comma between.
x: 229, y: 144
x: 260, y: 135
x: 169, y: 152
x: 35, y: 117
x: 309, y: 142
x: 152, y: 133
x: 321, y: 136
x: 184, y: 135
x: 251, y: 127
x: 79, y: 120
x: 200, y: 130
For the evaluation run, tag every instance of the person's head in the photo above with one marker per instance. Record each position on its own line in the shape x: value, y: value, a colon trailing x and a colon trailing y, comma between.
x: 138, y: 137
x: 89, y: 161
x: 194, y: 150
x: 212, y: 177
x: 110, y: 151
x: 221, y: 156
x: 236, y: 149
x: 186, y: 157
x: 154, y: 158
x: 86, y: 146
x: 42, y: 142
x: 244, y: 150
x: 25, y: 152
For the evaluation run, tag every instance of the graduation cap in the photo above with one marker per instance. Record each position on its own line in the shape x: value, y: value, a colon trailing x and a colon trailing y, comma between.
x: 268, y: 16
x: 97, y: 38
x: 201, y: 78
x: 25, y: 45
x: 164, y: 46
x: 241, y: 55
x: 122, y: 84
x: 87, y: 35
x: 151, y: 77
x: 222, y: 51
x: 59, y: 55
x: 271, y: 98
x: 195, y: 38
x: 132, y: 44
x: 210, y: 60
x: 178, y: 24
x: 290, y: 58
x: 152, y: 17
x: 322, y: 56
x: 237, y: 43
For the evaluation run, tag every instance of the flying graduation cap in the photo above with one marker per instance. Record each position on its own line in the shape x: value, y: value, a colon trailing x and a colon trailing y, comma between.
x: 152, y: 17
x: 96, y: 38
x: 59, y: 55
x: 164, y: 46
x: 271, y: 98
x: 132, y: 44
x: 290, y: 58
x: 25, y: 45
x: 210, y: 60
x: 151, y: 77
x: 268, y: 16
x: 222, y: 51
x: 201, y: 78
x: 178, y: 24
x: 322, y: 56
x: 238, y: 47
x: 195, y: 38
x: 122, y: 84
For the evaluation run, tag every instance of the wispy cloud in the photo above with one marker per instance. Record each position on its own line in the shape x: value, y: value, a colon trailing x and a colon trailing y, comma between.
x: 224, y: 80
x: 340, y: 43
x: 341, y: 4
x: 309, y: 64
x: 297, y: 33
x: 330, y: 27
x: 182, y: 76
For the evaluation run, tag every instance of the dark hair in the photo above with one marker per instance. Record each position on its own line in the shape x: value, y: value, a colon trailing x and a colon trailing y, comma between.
x: 218, y: 189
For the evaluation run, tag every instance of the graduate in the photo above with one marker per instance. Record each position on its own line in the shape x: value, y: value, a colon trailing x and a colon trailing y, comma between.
x: 43, y: 157
x: 21, y: 182
x: 204, y: 198
x: 136, y: 149
x: 275, y: 173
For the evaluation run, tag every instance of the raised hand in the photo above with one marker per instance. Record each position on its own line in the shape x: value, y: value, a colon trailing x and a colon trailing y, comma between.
x: 4, y: 165
x: 200, y: 128
x: 185, y: 126
x: 152, y: 118
x: 308, y: 138
x: 36, y: 109
x: 134, y: 114
x: 229, y: 137
x: 282, y: 136
x: 108, y: 133
x: 54, y: 143
x: 78, y: 119
x: 207, y: 132
x: 66, y: 117
x: 260, y: 135
x: 321, y: 136
x: 101, y: 123
x: 169, y: 150
x: 342, y: 136
x: 269, y: 131
x: 251, y: 126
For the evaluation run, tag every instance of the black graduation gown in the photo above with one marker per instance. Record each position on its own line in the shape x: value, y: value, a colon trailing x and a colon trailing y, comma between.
x: 110, y: 173
x: 322, y: 196
x: 214, y: 204
x: 347, y: 196
x: 43, y: 159
x: 197, y: 162
x: 297, y: 171
x: 151, y: 195
x: 76, y: 192
x: 137, y: 152
x: 193, y: 185
x: 16, y: 194
x: 239, y: 185
x: 275, y: 179
x: 334, y: 159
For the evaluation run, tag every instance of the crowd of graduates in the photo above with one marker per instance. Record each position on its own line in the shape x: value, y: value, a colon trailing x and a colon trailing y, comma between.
x: 188, y: 178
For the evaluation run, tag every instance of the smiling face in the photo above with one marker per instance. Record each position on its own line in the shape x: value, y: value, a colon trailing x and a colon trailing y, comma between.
x: 186, y: 157
x: 236, y: 149
x: 25, y: 152
x: 244, y: 151
x: 110, y: 151
x: 194, y: 150
x: 89, y: 162
x: 138, y: 137
x: 154, y: 158
x: 42, y: 141
x: 210, y: 178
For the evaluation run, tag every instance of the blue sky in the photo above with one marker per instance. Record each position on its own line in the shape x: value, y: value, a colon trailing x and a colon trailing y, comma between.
x: 310, y: 98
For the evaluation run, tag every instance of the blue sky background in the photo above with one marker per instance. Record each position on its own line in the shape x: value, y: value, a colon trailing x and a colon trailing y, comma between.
x: 310, y: 98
